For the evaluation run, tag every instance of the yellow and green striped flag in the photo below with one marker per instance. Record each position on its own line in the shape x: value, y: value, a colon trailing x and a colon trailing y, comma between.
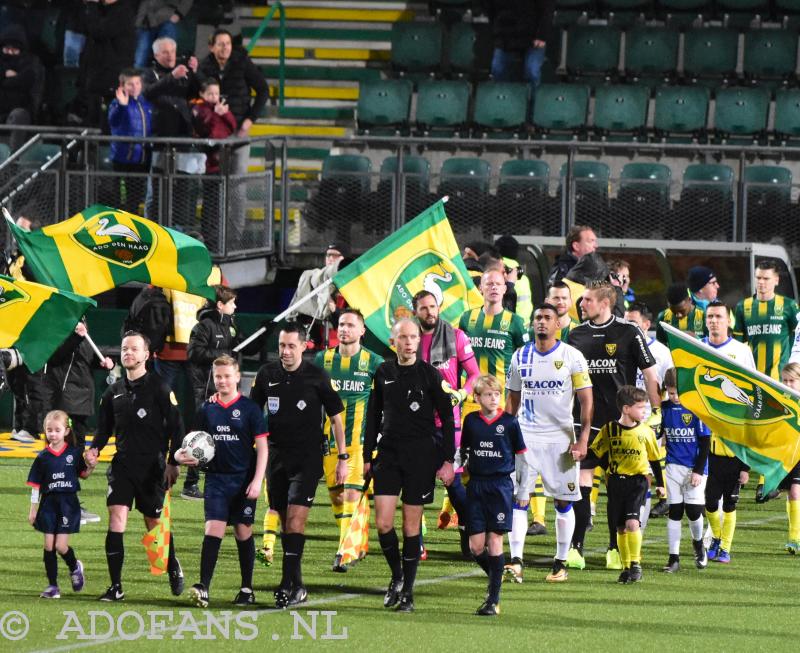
x: 422, y: 254
x: 36, y: 319
x: 101, y: 248
x: 756, y: 416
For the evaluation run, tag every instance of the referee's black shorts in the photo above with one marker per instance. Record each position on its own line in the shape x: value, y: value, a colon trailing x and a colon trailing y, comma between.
x: 792, y: 478
x: 626, y: 496
x: 139, y: 483
x: 292, y: 477
x: 407, y: 469
x: 723, y: 482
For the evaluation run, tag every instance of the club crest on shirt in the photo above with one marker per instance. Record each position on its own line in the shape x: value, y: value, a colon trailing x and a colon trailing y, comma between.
x: 500, y: 429
x: 611, y: 348
x: 571, y: 487
x: 69, y: 459
x: 505, y: 324
x: 687, y: 418
x: 558, y: 364
x: 363, y: 365
x: 273, y: 404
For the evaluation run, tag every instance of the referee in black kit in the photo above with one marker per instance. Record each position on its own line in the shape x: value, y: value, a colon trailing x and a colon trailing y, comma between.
x: 142, y: 412
x: 295, y: 393
x: 407, y: 394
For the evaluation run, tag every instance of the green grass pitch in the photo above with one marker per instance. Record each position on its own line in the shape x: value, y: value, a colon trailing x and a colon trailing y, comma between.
x: 745, y: 606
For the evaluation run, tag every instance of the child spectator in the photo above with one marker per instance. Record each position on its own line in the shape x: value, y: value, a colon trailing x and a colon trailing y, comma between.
x: 55, y: 510
x: 130, y: 114
x: 688, y: 441
x: 489, y: 442
x: 212, y: 118
x: 626, y: 447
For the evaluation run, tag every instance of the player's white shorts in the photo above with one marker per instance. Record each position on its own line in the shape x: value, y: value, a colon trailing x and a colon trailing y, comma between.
x: 679, y: 486
x: 559, y: 471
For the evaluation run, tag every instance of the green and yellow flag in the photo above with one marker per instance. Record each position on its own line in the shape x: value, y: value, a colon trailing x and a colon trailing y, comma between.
x: 156, y: 540
x: 422, y: 254
x: 101, y: 248
x: 36, y: 319
x: 756, y: 416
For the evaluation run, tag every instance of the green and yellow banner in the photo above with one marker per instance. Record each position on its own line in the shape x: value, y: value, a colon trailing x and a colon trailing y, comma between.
x: 101, y: 248
x: 36, y: 319
x: 421, y: 255
x: 756, y: 416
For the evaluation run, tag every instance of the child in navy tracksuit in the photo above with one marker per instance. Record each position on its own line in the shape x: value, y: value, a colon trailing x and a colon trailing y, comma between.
x: 130, y: 114
x: 489, y: 441
x: 55, y: 510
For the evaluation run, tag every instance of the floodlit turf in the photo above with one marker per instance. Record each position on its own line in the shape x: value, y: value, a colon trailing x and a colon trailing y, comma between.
x: 747, y: 605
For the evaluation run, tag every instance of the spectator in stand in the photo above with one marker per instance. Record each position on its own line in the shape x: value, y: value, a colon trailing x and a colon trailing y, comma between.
x: 620, y: 276
x: 155, y: 19
x: 520, y: 30
x: 130, y: 115
x: 17, y: 82
x: 168, y: 86
x: 110, y: 43
x: 581, y: 240
x: 212, y: 119
x: 239, y: 77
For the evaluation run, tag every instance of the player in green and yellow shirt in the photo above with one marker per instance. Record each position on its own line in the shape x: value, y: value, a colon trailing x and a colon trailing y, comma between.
x: 560, y: 296
x: 767, y: 322
x: 351, y: 368
x: 682, y: 313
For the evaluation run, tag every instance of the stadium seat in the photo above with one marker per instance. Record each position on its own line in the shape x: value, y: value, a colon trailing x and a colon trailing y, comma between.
x: 559, y: 110
x: 767, y: 208
x: 468, y: 48
x: 465, y: 180
x: 684, y: 5
x: 416, y: 47
x: 743, y: 5
x: 590, y: 180
x: 681, y: 112
x: 5, y: 152
x: 710, y: 52
x: 621, y: 108
x: 38, y: 155
x: 384, y: 104
x: 592, y: 50
x: 501, y: 106
x: 741, y: 112
x: 651, y: 53
x: 642, y: 204
x: 770, y: 53
x: 416, y: 181
x: 342, y: 194
x: 442, y: 107
x: 787, y: 115
x: 788, y: 6
x: 706, y: 205
x: 524, y: 191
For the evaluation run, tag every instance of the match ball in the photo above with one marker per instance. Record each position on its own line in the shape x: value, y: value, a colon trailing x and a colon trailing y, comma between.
x: 200, y: 446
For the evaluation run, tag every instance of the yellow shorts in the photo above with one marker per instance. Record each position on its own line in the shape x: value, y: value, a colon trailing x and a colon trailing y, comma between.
x: 355, y: 468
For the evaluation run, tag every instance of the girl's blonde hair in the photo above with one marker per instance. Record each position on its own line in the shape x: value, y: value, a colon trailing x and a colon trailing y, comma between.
x: 792, y: 369
x: 54, y: 415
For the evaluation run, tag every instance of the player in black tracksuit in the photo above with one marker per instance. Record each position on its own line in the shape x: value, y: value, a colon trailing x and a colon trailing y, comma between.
x: 142, y: 412
x: 294, y: 393
x: 407, y: 392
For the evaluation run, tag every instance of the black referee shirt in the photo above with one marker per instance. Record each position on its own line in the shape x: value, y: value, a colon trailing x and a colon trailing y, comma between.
x: 144, y: 416
x: 294, y: 402
x: 403, y: 404
x: 614, y: 351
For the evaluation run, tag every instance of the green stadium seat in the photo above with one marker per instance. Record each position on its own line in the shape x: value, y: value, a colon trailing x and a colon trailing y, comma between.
x: 681, y: 110
x: 442, y: 106
x: 743, y: 5
x: 416, y: 47
x: 38, y: 155
x: 644, y: 190
x: 741, y: 112
x: 384, y: 103
x: 787, y: 114
x: 651, y: 53
x: 788, y: 6
x: 684, y: 5
x: 524, y: 190
x: 51, y: 36
x: 710, y: 52
x: 705, y: 211
x: 343, y: 194
x: 621, y: 108
x: 5, y: 152
x: 560, y: 108
x: 416, y: 181
x: 591, y: 191
x: 468, y: 48
x: 767, y: 209
x: 592, y: 50
x: 501, y: 106
x: 465, y: 180
x: 770, y: 53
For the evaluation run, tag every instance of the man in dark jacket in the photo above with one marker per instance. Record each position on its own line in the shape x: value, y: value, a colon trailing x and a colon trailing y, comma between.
x: 520, y: 30
x: 110, y: 44
x: 238, y: 76
x: 17, y: 82
x: 581, y: 240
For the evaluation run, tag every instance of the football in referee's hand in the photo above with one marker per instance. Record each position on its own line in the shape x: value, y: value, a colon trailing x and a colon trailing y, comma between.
x: 200, y: 446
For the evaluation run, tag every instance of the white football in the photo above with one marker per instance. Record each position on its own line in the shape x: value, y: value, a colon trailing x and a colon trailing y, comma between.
x: 200, y: 446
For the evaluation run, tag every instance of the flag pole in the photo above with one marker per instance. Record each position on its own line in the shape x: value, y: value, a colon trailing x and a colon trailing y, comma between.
x: 282, y: 315
x: 94, y: 347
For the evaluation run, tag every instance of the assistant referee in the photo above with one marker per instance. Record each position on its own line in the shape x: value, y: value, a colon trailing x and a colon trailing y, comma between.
x: 295, y: 393
x: 408, y: 393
